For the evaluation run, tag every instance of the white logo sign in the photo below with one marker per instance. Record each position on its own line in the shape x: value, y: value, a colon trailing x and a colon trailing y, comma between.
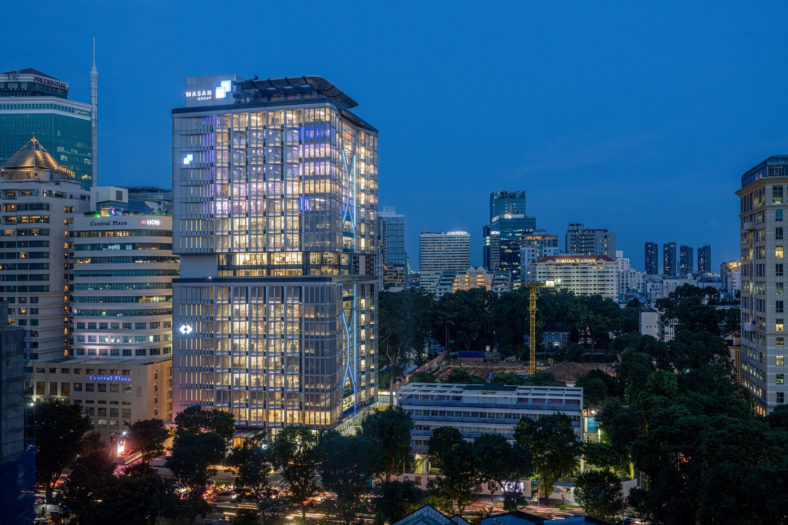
x: 185, y: 329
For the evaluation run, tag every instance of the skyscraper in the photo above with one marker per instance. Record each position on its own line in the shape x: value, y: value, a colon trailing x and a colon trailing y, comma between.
x: 439, y: 252
x: 652, y: 258
x: 685, y: 260
x: 275, y: 193
x: 391, y: 233
x: 586, y: 241
x: 33, y: 103
x: 763, y: 208
x: 40, y: 200
x: 94, y: 119
x: 704, y: 259
x: 669, y: 259
x: 501, y: 238
x: 534, y: 246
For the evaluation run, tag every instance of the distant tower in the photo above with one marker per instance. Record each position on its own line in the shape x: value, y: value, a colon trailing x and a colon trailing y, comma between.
x: 94, y: 116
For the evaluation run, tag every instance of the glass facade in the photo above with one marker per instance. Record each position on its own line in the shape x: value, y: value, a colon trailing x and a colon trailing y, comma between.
x: 62, y: 127
x: 669, y: 259
x: 275, y: 215
x: 652, y: 258
x: 501, y: 239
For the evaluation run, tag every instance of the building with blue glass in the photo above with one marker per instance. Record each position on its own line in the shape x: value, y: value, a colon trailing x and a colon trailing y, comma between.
x: 33, y: 103
x: 501, y: 238
x: 275, y: 190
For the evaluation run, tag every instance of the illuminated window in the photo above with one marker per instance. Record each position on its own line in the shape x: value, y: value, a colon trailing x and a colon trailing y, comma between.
x: 780, y: 342
x: 780, y: 379
x: 779, y: 360
x: 778, y: 252
x: 779, y: 325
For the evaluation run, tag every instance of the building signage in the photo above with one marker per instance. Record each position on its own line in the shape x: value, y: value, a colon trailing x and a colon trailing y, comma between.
x: 50, y: 82
x: 151, y: 222
x: 111, y: 379
x: 214, y: 93
x: 109, y: 222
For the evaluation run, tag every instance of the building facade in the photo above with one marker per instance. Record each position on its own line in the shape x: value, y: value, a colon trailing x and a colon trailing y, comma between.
x: 275, y: 195
x: 763, y: 205
x: 581, y: 275
x: 588, y: 241
x: 534, y: 246
x: 669, y: 268
x: 122, y: 286
x: 479, y: 409
x: 35, y: 104
x: 502, y: 237
x: 704, y: 259
x: 442, y: 252
x: 393, y: 258
x: 113, y: 394
x: 652, y: 258
x: 40, y: 200
x: 685, y: 261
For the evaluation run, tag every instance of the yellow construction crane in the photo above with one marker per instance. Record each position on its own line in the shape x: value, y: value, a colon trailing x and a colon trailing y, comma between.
x: 533, y: 288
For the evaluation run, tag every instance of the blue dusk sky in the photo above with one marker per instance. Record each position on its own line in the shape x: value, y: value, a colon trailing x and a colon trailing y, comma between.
x: 639, y: 117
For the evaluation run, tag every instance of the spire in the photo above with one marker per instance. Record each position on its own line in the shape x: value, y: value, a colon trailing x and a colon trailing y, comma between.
x: 94, y: 117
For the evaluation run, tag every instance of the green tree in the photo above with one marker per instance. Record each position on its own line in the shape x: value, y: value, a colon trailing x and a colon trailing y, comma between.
x: 599, y: 493
x: 460, y: 478
x: 58, y: 429
x: 90, y: 475
x: 252, y: 463
x: 542, y: 379
x: 397, y: 499
x: 458, y: 375
x: 347, y: 464
x: 390, y: 430
x: 201, y: 440
x: 508, y: 378
x: 422, y: 377
x: 272, y: 508
x: 294, y: 454
x: 148, y: 436
x: 442, y: 439
x: 553, y: 446
x: 493, y: 454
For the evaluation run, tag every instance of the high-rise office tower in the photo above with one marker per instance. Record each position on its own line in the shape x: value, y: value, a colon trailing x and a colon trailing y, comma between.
x: 652, y: 258
x: 275, y: 193
x: 585, y: 241
x: 122, y: 286
x: 501, y: 239
x: 534, y: 246
x: 391, y: 234
x: 763, y: 207
x: 94, y: 119
x: 704, y: 259
x: 40, y: 199
x: 669, y: 259
x: 17, y: 462
x: 33, y: 103
x: 685, y: 260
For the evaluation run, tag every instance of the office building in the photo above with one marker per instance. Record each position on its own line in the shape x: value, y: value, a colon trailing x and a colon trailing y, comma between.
x: 652, y: 258
x: 39, y: 200
x: 275, y: 194
x: 534, y: 246
x: 669, y: 268
x: 391, y: 234
x: 479, y: 409
x: 762, y: 215
x: 33, y: 103
x: 122, y: 285
x: 586, y: 241
x: 685, y: 261
x: 581, y: 275
x: 501, y: 238
x: 442, y: 252
x: 157, y: 199
x: 113, y: 393
x: 704, y: 259
x: 730, y: 274
x: 17, y: 467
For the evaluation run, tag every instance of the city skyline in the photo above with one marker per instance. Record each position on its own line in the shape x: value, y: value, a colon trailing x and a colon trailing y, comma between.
x: 607, y: 150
